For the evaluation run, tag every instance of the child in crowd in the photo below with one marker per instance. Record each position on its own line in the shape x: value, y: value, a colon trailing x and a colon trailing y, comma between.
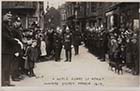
x: 31, y: 53
x: 42, y: 48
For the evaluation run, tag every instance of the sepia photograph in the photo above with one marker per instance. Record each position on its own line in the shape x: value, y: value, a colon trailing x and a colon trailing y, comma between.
x: 70, y: 44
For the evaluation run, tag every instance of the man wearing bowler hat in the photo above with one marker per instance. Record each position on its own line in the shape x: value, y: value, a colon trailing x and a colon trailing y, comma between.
x: 8, y: 43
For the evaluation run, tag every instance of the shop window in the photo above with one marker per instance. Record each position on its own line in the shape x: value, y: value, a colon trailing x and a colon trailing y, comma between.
x: 93, y: 7
x: 31, y: 20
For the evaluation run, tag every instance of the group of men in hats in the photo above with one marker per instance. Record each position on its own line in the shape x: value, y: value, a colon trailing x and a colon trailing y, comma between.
x: 11, y: 48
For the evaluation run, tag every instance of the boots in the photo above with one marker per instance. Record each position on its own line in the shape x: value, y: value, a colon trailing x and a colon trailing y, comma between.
x: 32, y: 73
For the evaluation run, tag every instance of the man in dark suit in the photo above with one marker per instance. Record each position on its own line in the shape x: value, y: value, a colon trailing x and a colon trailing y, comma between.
x: 67, y: 44
x: 8, y: 43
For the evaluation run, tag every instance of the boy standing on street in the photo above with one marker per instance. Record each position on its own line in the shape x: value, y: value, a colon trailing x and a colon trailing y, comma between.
x: 32, y: 57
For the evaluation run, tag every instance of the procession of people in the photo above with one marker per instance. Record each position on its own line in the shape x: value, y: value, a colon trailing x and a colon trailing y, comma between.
x: 22, y: 47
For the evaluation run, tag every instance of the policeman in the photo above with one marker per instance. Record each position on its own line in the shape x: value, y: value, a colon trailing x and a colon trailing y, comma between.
x: 90, y: 37
x: 92, y: 43
x: 135, y: 54
x: 98, y: 41
x: 76, y: 40
x: 50, y: 39
x: 102, y: 43
x: 96, y: 38
x: 67, y: 44
x: 58, y: 40
x: 18, y: 30
x: 86, y: 35
x: 17, y: 59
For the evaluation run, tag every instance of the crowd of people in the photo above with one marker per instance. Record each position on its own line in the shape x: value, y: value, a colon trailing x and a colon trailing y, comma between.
x: 23, y: 47
x: 120, y: 43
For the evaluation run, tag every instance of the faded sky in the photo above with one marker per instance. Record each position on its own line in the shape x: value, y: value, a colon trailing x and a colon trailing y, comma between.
x: 54, y: 3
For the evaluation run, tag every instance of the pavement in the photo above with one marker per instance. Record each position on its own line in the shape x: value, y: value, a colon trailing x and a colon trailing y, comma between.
x: 85, y: 70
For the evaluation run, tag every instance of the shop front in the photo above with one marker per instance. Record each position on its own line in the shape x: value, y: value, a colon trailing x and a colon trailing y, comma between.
x: 124, y: 13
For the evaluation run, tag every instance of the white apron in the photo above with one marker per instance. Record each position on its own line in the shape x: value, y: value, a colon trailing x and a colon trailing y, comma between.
x: 43, y: 48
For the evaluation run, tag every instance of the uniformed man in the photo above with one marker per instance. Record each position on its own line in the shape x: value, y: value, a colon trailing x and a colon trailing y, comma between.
x: 90, y: 38
x: 50, y: 39
x: 85, y: 34
x: 76, y: 40
x: 102, y: 40
x: 96, y: 39
x: 92, y: 35
x: 17, y: 59
x: 58, y: 40
x: 67, y: 44
x: 135, y: 54
x: 99, y: 40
